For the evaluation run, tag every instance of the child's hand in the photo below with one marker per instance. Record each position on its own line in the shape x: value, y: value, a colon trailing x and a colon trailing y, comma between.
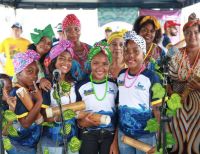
x: 152, y: 150
x: 45, y: 84
x: 11, y: 101
x: 37, y: 93
x: 86, y: 122
x: 114, y: 148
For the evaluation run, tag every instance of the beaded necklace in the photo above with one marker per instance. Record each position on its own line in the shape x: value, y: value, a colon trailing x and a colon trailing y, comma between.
x: 106, y: 88
x: 189, y: 72
x: 135, y: 77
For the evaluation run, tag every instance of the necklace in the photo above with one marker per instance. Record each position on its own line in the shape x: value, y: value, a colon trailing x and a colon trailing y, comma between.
x: 130, y: 78
x: 189, y: 72
x: 149, y: 51
x: 106, y: 88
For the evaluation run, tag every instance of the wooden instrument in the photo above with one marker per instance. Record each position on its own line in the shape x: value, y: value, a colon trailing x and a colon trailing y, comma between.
x: 24, y: 96
x: 55, y: 111
x: 99, y: 118
x: 136, y: 144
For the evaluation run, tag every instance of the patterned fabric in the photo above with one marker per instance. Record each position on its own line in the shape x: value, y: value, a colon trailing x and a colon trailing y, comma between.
x: 22, y: 60
x: 115, y: 35
x: 47, y: 31
x: 70, y: 19
x: 139, y: 40
x: 63, y: 45
x: 100, y: 47
x: 185, y: 126
x: 191, y: 23
x: 154, y: 19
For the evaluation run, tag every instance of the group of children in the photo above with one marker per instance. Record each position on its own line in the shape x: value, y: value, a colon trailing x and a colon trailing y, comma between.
x: 126, y: 98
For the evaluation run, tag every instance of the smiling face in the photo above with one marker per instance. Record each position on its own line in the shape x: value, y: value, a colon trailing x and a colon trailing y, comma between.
x: 133, y: 56
x: 99, y: 66
x: 72, y: 33
x: 28, y: 75
x: 43, y: 46
x: 148, y: 33
x: 192, y: 36
x: 116, y: 47
x: 64, y: 62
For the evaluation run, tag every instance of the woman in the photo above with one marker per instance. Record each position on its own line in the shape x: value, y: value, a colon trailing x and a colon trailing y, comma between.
x: 72, y: 29
x: 116, y: 43
x: 185, y: 75
x: 149, y: 28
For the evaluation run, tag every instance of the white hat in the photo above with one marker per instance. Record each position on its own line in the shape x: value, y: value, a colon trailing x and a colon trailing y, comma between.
x: 139, y: 40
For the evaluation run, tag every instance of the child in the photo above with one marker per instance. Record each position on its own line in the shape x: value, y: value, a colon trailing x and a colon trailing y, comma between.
x: 8, y: 103
x: 60, y: 57
x: 29, y: 132
x: 99, y: 94
x: 134, y: 84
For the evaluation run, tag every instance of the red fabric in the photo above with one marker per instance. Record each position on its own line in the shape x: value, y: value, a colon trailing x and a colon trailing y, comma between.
x: 170, y: 23
x: 70, y: 19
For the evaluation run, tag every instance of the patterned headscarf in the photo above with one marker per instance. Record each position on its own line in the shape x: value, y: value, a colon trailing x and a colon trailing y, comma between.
x: 22, y: 60
x: 100, y: 47
x: 47, y: 31
x: 152, y: 18
x: 191, y: 23
x: 139, y: 40
x: 115, y: 35
x: 70, y: 19
x: 63, y: 45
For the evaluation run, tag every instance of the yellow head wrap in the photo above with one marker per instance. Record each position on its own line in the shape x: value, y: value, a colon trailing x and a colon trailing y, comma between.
x: 115, y: 35
x: 154, y: 19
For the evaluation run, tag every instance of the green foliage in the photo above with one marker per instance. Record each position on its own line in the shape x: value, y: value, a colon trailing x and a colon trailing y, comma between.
x: 159, y: 152
x: 46, y: 150
x: 68, y: 114
x: 10, y: 115
x: 174, y: 102
x: 74, y: 144
x: 55, y: 95
x: 170, y: 140
x: 12, y: 131
x: 152, y: 125
x: 65, y: 86
x: 158, y: 91
x: 4, y: 122
x: 7, y: 144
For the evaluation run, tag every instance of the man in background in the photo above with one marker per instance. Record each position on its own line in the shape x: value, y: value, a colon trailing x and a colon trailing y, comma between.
x: 108, y: 31
x: 10, y: 46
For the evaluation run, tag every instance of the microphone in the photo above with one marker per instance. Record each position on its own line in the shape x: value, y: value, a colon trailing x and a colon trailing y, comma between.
x: 56, y: 75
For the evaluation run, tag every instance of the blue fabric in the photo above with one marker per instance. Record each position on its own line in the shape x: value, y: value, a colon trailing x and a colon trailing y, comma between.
x: 133, y: 121
x: 126, y: 149
x: 166, y: 40
x: 54, y: 133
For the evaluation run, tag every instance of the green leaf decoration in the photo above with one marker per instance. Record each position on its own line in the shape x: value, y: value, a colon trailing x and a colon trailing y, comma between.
x: 55, y: 95
x: 48, y: 124
x: 46, y: 150
x: 174, y: 102
x: 74, y: 144
x: 7, y: 144
x: 170, y: 140
x: 157, y: 67
x: 68, y: 128
x: 12, y: 131
x: 10, y: 115
x: 4, y: 122
x: 171, y: 113
x: 152, y: 60
x: 152, y: 125
x: 160, y: 75
x: 159, y: 152
x: 66, y: 87
x: 68, y: 114
x: 158, y: 91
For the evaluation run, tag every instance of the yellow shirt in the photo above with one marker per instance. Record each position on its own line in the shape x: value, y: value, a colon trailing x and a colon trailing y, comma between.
x: 10, y: 47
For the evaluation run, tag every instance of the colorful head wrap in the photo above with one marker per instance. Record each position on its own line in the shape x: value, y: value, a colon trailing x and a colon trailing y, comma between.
x: 63, y: 45
x: 139, y: 40
x: 100, y: 47
x: 154, y: 19
x: 115, y: 35
x: 47, y: 31
x: 191, y: 23
x: 70, y: 19
x: 22, y: 60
